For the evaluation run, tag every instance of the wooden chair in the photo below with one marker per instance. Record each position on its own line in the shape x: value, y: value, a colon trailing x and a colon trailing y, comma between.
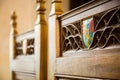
x: 28, y: 51
x: 84, y: 43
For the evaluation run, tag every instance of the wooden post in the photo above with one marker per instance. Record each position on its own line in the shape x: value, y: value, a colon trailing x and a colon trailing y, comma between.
x: 41, y: 34
x: 12, y: 50
x: 54, y: 37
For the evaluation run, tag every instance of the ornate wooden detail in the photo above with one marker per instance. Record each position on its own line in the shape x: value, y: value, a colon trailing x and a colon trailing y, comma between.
x: 56, y: 8
x: 13, y: 33
x: 40, y: 12
x: 72, y: 37
x: 30, y: 47
x: 19, y: 48
x: 12, y: 46
x: 13, y: 23
x: 106, y: 32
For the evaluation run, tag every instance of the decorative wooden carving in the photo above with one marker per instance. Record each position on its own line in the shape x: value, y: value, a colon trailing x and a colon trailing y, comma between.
x: 29, y: 47
x: 40, y: 12
x: 56, y: 8
x: 19, y: 48
x: 13, y: 33
x: 106, y: 32
x: 72, y: 37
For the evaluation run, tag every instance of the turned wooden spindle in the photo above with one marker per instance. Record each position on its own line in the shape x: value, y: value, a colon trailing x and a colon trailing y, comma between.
x: 40, y: 10
x: 41, y: 34
x: 12, y: 45
x: 13, y: 33
x: 54, y: 37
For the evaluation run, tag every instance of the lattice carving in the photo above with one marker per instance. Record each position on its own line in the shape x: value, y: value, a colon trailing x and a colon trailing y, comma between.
x: 30, y: 47
x: 106, y: 32
x: 19, y: 48
x: 72, y: 37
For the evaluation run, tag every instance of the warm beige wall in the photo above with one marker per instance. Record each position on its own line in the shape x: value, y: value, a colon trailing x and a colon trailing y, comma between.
x: 25, y: 10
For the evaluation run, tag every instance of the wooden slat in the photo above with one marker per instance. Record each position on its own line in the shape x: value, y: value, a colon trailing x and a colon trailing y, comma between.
x: 27, y: 35
x: 69, y: 77
x: 24, y: 64
x: 95, y: 63
x: 24, y: 76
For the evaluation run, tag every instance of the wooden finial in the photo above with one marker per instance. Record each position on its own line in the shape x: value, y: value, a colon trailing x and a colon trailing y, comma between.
x: 13, y: 33
x: 13, y: 23
x: 56, y: 7
x: 40, y: 11
x: 40, y: 6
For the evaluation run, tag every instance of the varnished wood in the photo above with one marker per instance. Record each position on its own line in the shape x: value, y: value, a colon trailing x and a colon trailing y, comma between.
x: 29, y: 38
x: 13, y: 33
x: 32, y: 65
x: 56, y: 8
x: 103, y: 63
x: 24, y: 76
x: 89, y: 64
x: 26, y: 35
x: 54, y: 37
x: 46, y: 61
x: 24, y: 63
x: 71, y: 77
x: 41, y: 34
x: 12, y: 46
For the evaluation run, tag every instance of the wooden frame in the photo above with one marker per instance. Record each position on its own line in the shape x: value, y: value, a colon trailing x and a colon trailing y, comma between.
x: 33, y: 64
x: 72, y: 64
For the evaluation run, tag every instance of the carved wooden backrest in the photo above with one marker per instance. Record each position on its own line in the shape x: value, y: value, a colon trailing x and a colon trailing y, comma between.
x: 84, y: 43
x: 28, y: 51
x: 24, y: 45
x: 100, y: 31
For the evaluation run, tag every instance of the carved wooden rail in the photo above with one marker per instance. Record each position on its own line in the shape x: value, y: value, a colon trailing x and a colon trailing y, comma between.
x: 106, y: 31
x: 25, y: 47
